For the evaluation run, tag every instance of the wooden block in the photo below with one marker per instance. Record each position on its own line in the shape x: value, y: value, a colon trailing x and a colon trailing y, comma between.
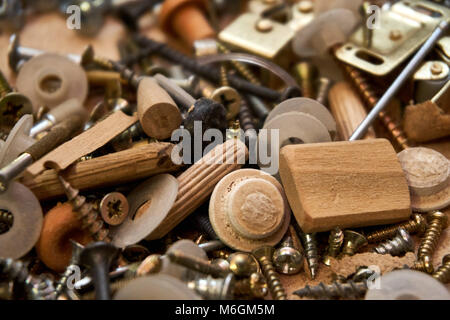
x: 344, y: 184
x: 158, y: 113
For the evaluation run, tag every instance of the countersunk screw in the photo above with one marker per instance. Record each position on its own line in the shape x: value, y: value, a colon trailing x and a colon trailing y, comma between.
x: 264, y: 256
x: 443, y: 272
x: 98, y: 257
x: 347, y: 290
x: 196, y: 264
x: 418, y: 225
x: 287, y: 259
x: 214, y: 289
x: 85, y: 212
x: 353, y: 241
x: 254, y: 286
x: 401, y: 243
x: 335, y: 241
x: 437, y: 221
x: 114, y: 208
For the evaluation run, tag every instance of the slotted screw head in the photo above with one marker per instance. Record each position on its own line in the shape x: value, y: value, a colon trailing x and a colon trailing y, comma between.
x: 264, y: 251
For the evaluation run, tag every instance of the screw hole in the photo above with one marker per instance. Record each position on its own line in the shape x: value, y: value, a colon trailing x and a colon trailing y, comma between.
x: 50, y: 84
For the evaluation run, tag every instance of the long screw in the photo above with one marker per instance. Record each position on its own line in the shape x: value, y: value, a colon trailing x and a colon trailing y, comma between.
x: 196, y: 264
x: 264, y: 256
x: 443, y: 272
x: 401, y: 243
x: 417, y: 224
x: 347, y: 290
x: 361, y: 83
x: 335, y: 241
x: 437, y: 221
x: 310, y: 246
x: 85, y: 212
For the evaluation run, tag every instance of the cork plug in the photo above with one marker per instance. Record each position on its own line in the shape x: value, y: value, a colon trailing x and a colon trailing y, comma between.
x: 158, y: 114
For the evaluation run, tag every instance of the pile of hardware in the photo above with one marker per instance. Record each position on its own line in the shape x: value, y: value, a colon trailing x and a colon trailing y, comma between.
x: 289, y: 151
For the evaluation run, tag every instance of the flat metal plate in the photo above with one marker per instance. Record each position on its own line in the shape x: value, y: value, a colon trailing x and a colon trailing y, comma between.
x: 412, y: 21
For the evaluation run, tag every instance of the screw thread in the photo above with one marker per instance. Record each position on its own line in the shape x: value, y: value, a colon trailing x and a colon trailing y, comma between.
x: 311, y: 252
x: 347, y: 290
x: 424, y: 265
x: 85, y: 212
x: 62, y: 282
x: 224, y: 76
x: 275, y: 286
x: 335, y: 241
x: 202, y: 222
x: 4, y: 85
x: 431, y: 237
x: 361, y: 83
x: 395, y: 246
x: 412, y: 226
x: 442, y: 274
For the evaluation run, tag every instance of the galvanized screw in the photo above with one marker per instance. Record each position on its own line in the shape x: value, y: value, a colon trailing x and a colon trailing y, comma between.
x: 353, y: 241
x: 335, y: 241
x: 62, y: 283
x: 399, y: 244
x: 264, y: 255
x: 443, y: 272
x: 417, y: 224
x: 310, y: 246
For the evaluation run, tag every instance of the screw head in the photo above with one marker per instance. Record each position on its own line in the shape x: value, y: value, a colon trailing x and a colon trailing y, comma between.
x: 98, y: 253
x: 229, y: 98
x: 442, y: 217
x: 288, y: 260
x: 264, y: 25
x: 258, y: 285
x: 353, y: 241
x: 264, y: 251
x: 114, y: 208
x: 421, y: 222
x: 406, y: 238
x: 243, y: 264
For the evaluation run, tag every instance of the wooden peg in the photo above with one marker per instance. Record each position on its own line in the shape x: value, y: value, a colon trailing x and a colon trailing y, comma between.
x: 157, y: 112
x: 345, y: 184
x: 348, y: 110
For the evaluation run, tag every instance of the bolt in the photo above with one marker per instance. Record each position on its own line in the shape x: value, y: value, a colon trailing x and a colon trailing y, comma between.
x: 287, y: 259
x: 311, y: 251
x: 62, y: 283
x: 85, y: 212
x: 362, y: 85
x: 264, y: 256
x: 443, y: 272
x: 13, y: 105
x: 114, y: 208
x: 424, y: 264
x: 254, y: 286
x: 214, y: 289
x: 347, y: 290
x: 401, y: 243
x: 196, y: 264
x: 353, y: 241
x: 335, y: 241
x: 98, y: 257
x: 417, y: 224
x: 437, y: 221
x: 243, y: 264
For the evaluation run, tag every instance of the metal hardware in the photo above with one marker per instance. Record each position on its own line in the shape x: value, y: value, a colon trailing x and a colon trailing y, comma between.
x: 417, y: 224
x: 347, y: 290
x: 196, y: 264
x: 243, y: 264
x: 437, y: 222
x: 214, y: 289
x: 287, y: 259
x: 443, y: 272
x: 335, y: 241
x: 402, y: 243
x: 114, y: 208
x: 353, y: 241
x: 254, y: 286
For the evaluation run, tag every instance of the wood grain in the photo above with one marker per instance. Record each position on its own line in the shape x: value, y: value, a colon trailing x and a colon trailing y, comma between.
x: 344, y: 184
x: 112, y: 169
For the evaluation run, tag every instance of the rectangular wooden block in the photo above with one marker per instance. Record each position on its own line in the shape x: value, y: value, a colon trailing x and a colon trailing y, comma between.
x: 345, y: 184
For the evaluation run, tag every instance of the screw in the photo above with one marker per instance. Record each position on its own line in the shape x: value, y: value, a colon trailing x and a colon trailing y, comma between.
x: 224, y: 95
x: 13, y: 105
x: 264, y: 256
x: 424, y: 264
x: 361, y: 83
x: 311, y: 251
x: 345, y: 290
x: 416, y: 225
x: 306, y: 75
x: 243, y: 264
x: 401, y: 243
x: 214, y: 289
x: 85, y: 212
x: 62, y: 283
x: 98, y: 257
x: 88, y: 57
x: 322, y: 90
x: 114, y: 208
x: 246, y: 118
x: 353, y: 241
x: 287, y: 259
x: 212, y: 245
x: 196, y: 264
x: 254, y: 286
x: 151, y: 264
x: 335, y: 241
x: 443, y: 272
x: 437, y: 221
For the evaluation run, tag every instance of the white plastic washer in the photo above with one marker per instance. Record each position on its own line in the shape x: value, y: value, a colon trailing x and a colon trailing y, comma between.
x: 27, y: 223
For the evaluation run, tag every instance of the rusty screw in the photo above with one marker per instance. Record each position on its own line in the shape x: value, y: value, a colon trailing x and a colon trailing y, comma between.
x: 114, y: 208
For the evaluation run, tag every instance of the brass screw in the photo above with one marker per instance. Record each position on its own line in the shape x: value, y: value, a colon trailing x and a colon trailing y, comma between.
x: 88, y: 57
x: 151, y: 264
x: 214, y: 289
x: 361, y: 83
x: 401, y: 243
x: 264, y: 256
x: 349, y: 289
x: 335, y: 241
x: 196, y: 264
x: 322, y: 90
x: 306, y: 75
x: 243, y: 264
x: 437, y: 221
x: 424, y: 265
x: 85, y: 212
x: 443, y: 272
x: 353, y: 241
x: 417, y: 224
x: 311, y: 252
x: 254, y: 286
x: 224, y: 76
x: 287, y: 258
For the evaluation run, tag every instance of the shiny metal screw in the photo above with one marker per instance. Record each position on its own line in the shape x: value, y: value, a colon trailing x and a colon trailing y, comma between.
x: 243, y: 264
x: 443, y: 272
x: 264, y: 255
x: 196, y: 264
x: 254, y: 286
x: 322, y: 90
x: 353, y: 241
x: 417, y: 224
x: 424, y: 264
x: 214, y: 289
x: 310, y: 246
x: 335, y: 241
x: 347, y: 290
x: 306, y: 76
x: 437, y: 221
x: 287, y: 259
x: 400, y: 244
x: 62, y: 282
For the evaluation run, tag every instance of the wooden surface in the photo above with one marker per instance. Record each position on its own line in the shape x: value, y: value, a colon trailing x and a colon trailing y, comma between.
x: 344, y: 184
x: 110, y: 170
